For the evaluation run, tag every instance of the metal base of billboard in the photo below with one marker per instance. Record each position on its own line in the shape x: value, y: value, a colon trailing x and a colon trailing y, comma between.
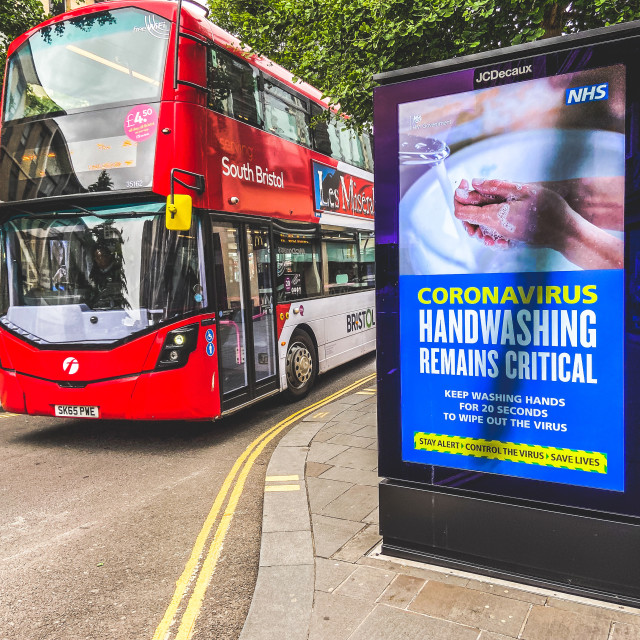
x: 570, y: 552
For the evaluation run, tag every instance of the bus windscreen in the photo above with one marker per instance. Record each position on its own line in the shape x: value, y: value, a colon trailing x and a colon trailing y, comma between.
x: 116, y: 56
x: 97, y: 278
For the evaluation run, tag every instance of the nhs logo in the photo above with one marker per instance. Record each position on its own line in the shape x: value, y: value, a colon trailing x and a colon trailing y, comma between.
x: 590, y: 93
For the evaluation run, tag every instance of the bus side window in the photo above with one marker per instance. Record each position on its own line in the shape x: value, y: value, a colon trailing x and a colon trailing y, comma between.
x: 298, y: 263
x: 340, y: 251
x: 366, y: 259
x: 334, y: 136
x: 350, y: 145
x: 234, y: 88
x: 286, y: 114
x: 320, y: 130
x: 365, y: 139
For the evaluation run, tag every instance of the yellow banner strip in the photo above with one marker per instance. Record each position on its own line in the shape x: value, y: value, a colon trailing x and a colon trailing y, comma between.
x: 574, y: 459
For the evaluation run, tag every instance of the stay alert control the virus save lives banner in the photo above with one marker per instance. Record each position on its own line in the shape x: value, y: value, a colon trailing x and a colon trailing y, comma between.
x: 511, y: 279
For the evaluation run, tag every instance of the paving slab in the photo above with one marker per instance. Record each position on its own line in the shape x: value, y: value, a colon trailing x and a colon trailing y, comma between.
x: 344, y: 426
x: 336, y: 617
x: 331, y: 534
x: 364, y: 459
x: 550, y: 622
x: 315, y: 469
x: 370, y: 408
x: 623, y: 631
x: 401, y: 592
x: 349, y: 474
x: 302, y: 435
x: 352, y: 441
x: 507, y: 591
x: 367, y: 418
x: 389, y: 623
x: 322, y: 492
x: 330, y: 574
x: 367, y: 432
x: 290, y: 606
x: 349, y: 416
x: 366, y: 583
x: 287, y: 461
x: 281, y: 548
x: 354, y: 504
x: 323, y: 436
x: 285, y: 511
x: 373, y: 517
x: 487, y: 635
x: 364, y: 400
x: 323, y: 451
x: 360, y: 544
x: 447, y: 577
x: 475, y: 608
x: 611, y: 612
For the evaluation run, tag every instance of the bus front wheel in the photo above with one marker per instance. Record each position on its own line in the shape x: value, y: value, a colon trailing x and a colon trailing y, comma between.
x: 302, y: 365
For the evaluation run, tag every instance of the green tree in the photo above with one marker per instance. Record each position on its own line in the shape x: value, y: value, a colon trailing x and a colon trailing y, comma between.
x: 337, y: 45
x: 16, y: 17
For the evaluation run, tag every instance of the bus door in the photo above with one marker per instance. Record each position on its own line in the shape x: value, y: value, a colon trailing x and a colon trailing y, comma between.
x: 247, y: 352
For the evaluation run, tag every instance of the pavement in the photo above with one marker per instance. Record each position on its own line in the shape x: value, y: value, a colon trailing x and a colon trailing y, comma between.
x: 322, y: 577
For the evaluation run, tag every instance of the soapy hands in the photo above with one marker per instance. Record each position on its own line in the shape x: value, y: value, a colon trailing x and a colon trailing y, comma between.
x: 516, y: 212
x: 501, y: 214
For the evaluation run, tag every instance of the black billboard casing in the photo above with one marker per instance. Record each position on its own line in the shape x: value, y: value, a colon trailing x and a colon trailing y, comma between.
x: 508, y: 298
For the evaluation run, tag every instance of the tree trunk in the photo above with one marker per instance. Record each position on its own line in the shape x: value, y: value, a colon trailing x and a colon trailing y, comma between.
x: 552, y: 22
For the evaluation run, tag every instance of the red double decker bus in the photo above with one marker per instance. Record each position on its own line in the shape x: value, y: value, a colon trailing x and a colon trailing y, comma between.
x: 255, y: 276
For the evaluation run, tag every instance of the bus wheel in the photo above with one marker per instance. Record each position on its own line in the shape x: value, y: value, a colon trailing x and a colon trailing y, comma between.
x: 302, y: 365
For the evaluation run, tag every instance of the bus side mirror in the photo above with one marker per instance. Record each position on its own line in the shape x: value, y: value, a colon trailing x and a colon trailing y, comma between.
x: 178, y: 213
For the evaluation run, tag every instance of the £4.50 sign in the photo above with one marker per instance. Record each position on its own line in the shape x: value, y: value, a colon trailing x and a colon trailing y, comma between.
x: 140, y: 123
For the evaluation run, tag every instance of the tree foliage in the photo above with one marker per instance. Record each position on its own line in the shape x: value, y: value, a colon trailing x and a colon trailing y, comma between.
x: 337, y: 45
x: 16, y: 17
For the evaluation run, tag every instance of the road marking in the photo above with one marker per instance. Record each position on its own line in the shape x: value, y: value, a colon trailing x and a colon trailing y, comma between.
x: 8, y: 415
x: 248, y: 457
x: 283, y: 487
x: 322, y: 414
x: 365, y: 393
x: 281, y: 478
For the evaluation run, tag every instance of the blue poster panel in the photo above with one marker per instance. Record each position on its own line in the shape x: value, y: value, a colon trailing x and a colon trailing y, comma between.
x: 511, y: 278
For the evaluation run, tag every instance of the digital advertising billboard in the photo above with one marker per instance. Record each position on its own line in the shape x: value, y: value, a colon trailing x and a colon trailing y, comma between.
x: 511, y: 278
x: 508, y: 243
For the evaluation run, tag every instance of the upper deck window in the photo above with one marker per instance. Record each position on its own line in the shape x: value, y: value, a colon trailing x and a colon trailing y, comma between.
x: 286, y: 114
x: 234, y: 88
x: 88, y: 61
x: 320, y: 130
x: 333, y: 138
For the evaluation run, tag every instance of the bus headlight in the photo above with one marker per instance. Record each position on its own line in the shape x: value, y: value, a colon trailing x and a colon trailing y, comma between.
x: 178, y: 346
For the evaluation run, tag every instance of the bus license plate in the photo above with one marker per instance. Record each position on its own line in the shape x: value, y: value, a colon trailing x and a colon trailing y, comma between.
x: 74, y: 411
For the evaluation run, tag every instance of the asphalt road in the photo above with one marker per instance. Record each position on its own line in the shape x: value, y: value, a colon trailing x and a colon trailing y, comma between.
x: 97, y: 519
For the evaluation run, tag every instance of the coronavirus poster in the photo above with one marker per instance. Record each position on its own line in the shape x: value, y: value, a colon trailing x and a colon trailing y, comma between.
x: 511, y: 276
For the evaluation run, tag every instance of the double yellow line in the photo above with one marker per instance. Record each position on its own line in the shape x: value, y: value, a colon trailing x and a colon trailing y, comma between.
x: 208, y: 566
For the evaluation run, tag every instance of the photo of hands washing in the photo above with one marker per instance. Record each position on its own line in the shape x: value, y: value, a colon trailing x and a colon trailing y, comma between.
x: 514, y: 178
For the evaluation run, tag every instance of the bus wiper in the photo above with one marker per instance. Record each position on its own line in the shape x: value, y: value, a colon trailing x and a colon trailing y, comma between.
x: 75, y: 206
x: 95, y: 214
x: 107, y: 216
